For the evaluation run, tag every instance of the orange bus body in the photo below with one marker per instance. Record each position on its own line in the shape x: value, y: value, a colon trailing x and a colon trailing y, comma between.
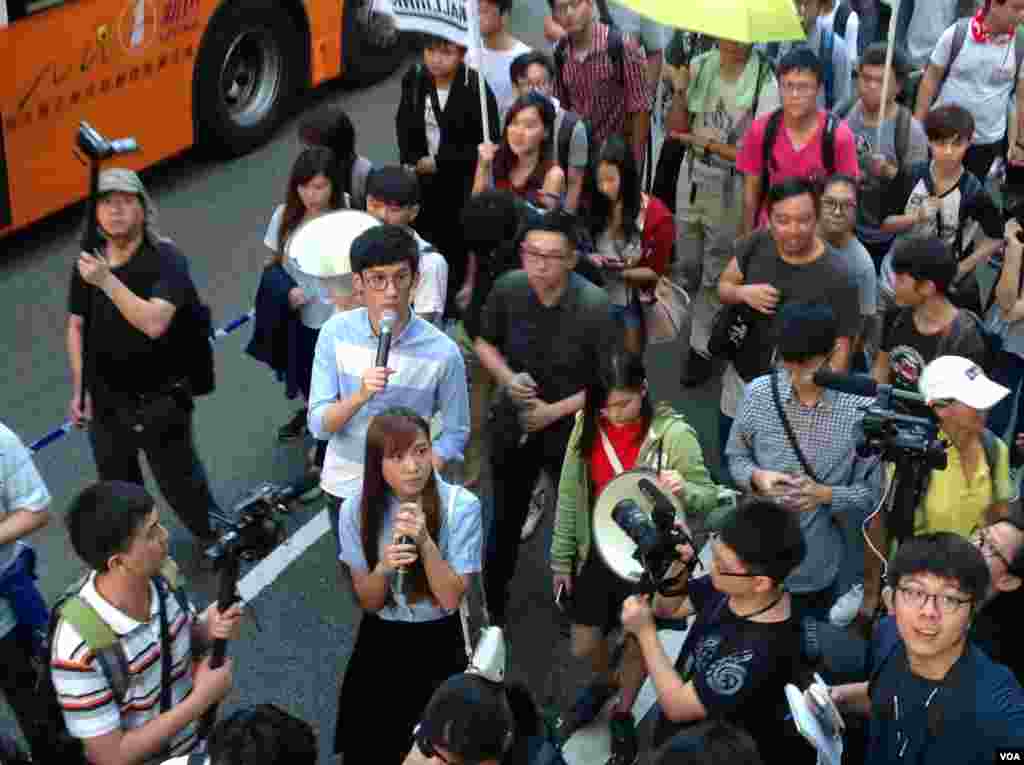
x: 127, y: 73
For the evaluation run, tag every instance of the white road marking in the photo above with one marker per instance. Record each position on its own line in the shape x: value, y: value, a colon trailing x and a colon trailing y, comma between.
x: 270, y: 568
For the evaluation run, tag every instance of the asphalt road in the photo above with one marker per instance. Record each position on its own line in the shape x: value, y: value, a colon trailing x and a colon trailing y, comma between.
x: 217, y: 212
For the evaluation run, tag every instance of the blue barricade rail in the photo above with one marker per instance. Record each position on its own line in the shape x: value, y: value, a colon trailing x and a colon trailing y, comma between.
x: 59, y: 432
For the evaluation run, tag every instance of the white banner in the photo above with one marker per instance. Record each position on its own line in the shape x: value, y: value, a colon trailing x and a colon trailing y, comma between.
x: 445, y: 18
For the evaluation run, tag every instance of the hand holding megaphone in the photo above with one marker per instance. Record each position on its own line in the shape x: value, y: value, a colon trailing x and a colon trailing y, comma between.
x: 671, y: 481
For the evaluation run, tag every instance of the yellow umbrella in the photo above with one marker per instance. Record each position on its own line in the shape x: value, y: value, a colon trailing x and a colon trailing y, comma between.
x: 746, y: 21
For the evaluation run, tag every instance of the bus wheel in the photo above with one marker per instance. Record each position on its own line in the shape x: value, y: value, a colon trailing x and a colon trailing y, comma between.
x: 372, y: 47
x: 250, y: 66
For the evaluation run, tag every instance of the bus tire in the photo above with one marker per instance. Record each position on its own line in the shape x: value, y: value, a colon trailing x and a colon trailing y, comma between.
x: 371, y: 47
x: 251, y: 65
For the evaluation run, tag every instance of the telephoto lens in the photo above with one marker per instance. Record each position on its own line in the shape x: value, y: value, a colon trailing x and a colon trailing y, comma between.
x: 637, y: 524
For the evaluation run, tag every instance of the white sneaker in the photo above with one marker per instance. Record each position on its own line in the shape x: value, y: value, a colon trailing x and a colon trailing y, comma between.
x: 538, y: 503
x: 845, y: 609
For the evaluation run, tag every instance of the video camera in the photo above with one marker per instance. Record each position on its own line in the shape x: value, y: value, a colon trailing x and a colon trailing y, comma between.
x: 98, y: 148
x: 656, y: 537
x: 258, y: 525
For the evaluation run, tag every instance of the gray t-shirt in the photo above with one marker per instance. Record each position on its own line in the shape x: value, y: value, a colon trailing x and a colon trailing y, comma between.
x: 21, y: 488
x: 459, y: 538
x: 872, y: 205
x: 862, y: 269
x: 929, y: 20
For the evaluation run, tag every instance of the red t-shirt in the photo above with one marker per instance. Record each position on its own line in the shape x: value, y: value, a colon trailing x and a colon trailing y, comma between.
x: 795, y: 163
x: 626, y: 440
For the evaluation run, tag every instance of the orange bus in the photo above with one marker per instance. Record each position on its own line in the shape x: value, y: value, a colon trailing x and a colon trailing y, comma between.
x: 222, y: 74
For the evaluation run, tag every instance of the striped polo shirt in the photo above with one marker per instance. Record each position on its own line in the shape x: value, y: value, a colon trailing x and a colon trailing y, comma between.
x: 82, y: 689
x: 594, y: 89
x: 429, y: 378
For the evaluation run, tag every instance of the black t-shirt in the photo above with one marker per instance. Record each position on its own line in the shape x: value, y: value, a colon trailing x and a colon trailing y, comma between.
x: 739, y: 669
x: 826, y: 280
x: 963, y: 338
x: 121, y: 360
x: 994, y: 631
x: 560, y: 346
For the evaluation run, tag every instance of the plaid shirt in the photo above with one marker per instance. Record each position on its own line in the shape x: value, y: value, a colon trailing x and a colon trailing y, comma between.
x: 593, y: 88
x: 827, y: 434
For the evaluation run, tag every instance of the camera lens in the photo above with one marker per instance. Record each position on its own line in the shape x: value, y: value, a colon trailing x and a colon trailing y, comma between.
x: 636, y: 523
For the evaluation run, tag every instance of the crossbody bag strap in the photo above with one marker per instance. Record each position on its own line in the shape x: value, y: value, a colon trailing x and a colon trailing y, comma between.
x: 166, y: 659
x: 609, y: 451
x: 789, y: 429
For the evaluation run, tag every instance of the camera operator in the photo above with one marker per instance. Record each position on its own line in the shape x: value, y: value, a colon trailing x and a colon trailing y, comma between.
x: 262, y: 735
x: 115, y: 529
x: 795, y: 441
x: 932, y: 696
x: 745, y: 644
x: 410, y: 541
x: 618, y: 430
x: 126, y: 362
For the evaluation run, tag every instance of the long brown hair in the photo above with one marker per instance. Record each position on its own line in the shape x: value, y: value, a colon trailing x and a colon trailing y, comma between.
x: 390, y: 434
x: 505, y: 159
x: 313, y: 161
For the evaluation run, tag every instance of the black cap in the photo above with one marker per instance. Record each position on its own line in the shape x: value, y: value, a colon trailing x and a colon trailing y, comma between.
x: 393, y: 184
x: 470, y: 717
x: 806, y: 330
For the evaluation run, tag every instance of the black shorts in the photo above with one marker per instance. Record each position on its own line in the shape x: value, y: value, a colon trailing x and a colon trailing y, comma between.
x: 598, y: 594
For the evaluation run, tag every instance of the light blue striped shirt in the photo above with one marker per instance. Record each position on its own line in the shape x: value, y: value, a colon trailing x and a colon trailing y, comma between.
x: 429, y: 378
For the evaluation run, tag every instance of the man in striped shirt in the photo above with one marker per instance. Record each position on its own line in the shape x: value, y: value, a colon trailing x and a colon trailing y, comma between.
x: 115, y: 529
x: 425, y: 371
x: 601, y: 76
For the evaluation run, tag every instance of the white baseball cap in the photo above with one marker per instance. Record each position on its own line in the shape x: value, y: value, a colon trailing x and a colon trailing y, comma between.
x: 954, y: 377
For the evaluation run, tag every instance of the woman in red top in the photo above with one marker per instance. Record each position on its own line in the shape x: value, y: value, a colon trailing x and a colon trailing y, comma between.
x: 524, y: 163
x: 618, y: 430
x: 632, y: 234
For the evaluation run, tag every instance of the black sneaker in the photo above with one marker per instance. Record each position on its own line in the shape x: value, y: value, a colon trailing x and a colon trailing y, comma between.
x: 625, y: 749
x: 698, y: 370
x: 295, y: 427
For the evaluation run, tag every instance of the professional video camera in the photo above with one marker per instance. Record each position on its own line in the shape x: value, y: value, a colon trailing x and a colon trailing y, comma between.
x: 636, y: 542
x: 910, y: 441
x: 256, y: 529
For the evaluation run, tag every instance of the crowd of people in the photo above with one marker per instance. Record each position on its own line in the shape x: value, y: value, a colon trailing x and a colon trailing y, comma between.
x: 829, y: 205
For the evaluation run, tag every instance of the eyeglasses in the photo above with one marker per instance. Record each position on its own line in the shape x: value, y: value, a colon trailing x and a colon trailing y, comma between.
x: 980, y: 537
x: 838, y: 205
x: 427, y: 748
x: 538, y: 256
x: 798, y: 88
x: 915, y: 597
x: 560, y: 9
x: 379, y: 282
x: 715, y: 539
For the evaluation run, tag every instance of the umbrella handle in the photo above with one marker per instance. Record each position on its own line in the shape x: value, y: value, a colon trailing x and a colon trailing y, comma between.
x: 890, y: 44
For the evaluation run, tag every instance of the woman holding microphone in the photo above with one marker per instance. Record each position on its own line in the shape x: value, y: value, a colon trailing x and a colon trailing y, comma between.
x: 410, y: 542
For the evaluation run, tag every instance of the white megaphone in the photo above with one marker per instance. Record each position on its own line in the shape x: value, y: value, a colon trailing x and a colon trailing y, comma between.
x: 489, y: 657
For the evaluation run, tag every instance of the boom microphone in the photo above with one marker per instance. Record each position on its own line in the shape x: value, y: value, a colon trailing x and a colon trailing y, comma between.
x: 388, y: 320
x: 862, y: 385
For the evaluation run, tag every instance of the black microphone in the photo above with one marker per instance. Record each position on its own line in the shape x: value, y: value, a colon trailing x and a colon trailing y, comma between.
x: 862, y: 385
x: 388, y: 320
x: 402, y: 572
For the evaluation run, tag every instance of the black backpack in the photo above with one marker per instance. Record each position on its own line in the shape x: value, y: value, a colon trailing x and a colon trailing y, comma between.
x: 563, y: 140
x: 192, y: 330
x: 771, y: 134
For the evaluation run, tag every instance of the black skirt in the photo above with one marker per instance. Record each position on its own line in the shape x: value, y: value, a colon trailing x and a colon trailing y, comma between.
x: 394, y: 670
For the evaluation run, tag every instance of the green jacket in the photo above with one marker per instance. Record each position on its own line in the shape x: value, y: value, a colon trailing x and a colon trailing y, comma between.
x: 680, y: 452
